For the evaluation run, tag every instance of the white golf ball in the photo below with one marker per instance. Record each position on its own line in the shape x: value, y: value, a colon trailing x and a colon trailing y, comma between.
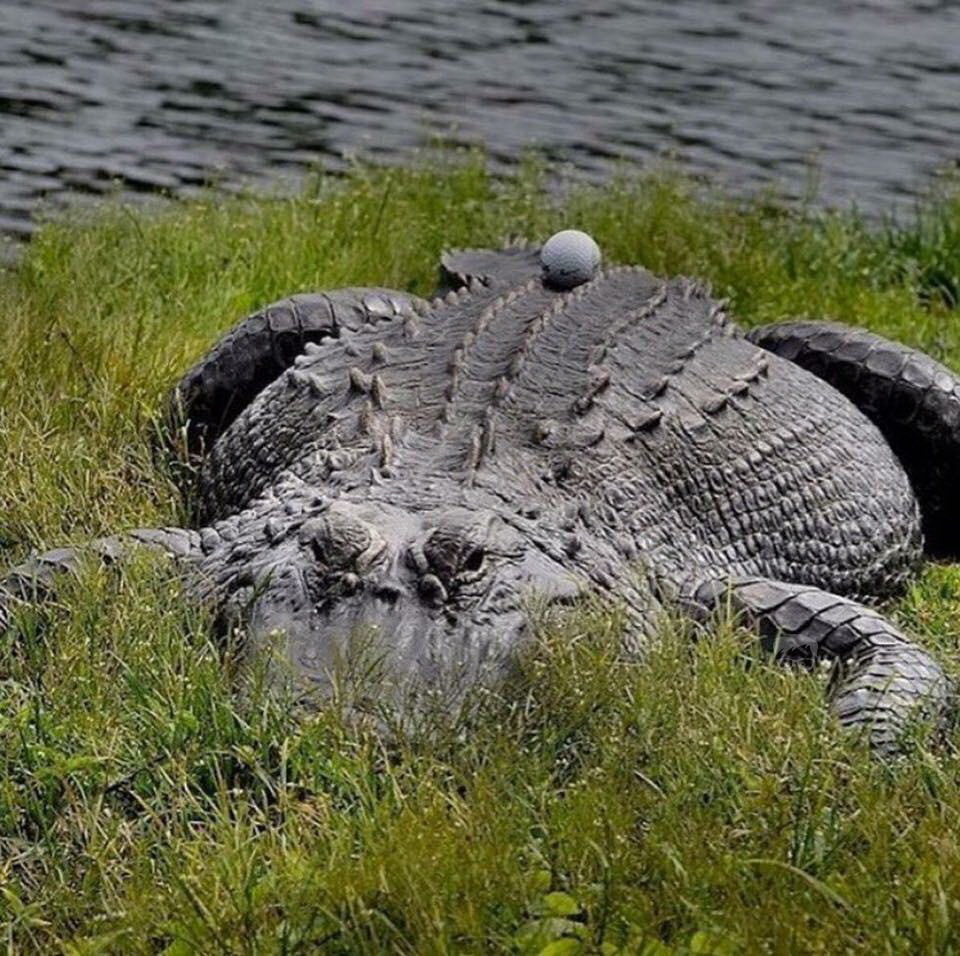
x: 569, y: 258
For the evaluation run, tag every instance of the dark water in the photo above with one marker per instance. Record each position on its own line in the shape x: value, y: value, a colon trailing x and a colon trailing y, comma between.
x: 164, y: 94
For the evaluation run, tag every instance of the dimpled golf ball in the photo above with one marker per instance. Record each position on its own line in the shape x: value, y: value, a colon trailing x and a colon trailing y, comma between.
x: 569, y: 259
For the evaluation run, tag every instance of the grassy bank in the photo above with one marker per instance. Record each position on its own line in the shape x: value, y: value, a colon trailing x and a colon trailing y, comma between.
x: 694, y: 804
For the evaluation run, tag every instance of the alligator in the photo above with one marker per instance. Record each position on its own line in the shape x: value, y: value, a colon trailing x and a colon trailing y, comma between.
x: 374, y: 470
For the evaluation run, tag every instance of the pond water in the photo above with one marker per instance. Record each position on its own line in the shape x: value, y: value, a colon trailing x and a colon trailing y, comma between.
x: 167, y: 94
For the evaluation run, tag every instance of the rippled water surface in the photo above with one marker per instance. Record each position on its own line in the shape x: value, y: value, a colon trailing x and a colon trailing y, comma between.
x: 162, y: 94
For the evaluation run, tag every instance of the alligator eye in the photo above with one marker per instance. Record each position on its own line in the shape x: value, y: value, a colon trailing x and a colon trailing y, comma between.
x: 473, y: 562
x: 454, y: 551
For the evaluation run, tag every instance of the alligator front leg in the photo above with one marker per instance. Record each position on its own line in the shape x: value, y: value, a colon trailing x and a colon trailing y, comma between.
x: 912, y: 399
x: 883, y: 682
x: 36, y: 580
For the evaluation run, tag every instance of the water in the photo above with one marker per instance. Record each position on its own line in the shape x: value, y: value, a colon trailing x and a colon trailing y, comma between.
x: 104, y: 95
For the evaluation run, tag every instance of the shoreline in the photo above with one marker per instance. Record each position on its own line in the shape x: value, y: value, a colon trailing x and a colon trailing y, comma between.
x: 560, y: 177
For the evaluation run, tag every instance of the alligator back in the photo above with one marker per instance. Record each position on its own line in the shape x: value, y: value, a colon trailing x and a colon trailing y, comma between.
x: 630, y: 395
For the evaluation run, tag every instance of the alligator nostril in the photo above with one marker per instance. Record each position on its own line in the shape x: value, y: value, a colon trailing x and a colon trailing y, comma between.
x: 388, y: 592
x: 432, y: 590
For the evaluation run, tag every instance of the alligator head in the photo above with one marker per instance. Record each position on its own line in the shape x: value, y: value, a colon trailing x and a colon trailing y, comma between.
x: 429, y: 602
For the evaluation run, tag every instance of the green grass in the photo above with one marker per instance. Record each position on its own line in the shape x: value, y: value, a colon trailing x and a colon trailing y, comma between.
x: 703, y: 802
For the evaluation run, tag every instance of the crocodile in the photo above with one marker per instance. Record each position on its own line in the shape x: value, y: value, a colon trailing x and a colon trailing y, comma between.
x: 375, y: 471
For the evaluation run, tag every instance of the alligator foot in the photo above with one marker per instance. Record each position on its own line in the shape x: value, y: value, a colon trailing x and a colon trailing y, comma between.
x: 912, y: 399
x: 883, y: 683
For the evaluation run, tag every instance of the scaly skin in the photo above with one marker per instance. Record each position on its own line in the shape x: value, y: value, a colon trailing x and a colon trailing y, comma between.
x: 914, y: 400
x: 404, y: 474
x: 254, y: 353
